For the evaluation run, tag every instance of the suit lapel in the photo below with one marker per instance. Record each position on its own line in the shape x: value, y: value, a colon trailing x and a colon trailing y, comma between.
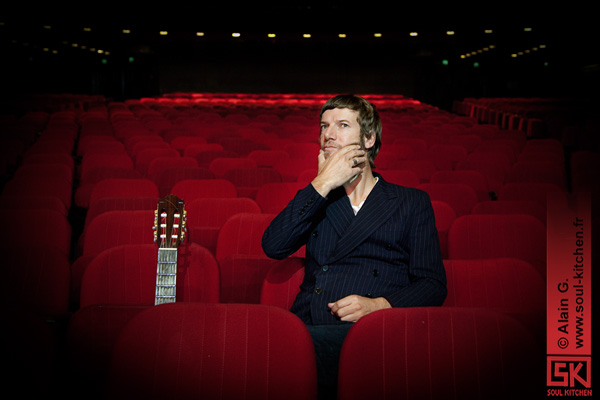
x: 339, y: 212
x: 353, y: 230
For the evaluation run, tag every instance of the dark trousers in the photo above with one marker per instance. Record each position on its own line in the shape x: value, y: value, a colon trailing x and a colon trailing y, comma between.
x: 328, y: 340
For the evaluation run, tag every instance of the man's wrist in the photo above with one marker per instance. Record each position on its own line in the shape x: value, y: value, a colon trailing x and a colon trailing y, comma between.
x: 321, y: 187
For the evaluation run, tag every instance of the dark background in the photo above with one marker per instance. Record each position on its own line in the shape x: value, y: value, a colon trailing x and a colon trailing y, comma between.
x: 39, y: 53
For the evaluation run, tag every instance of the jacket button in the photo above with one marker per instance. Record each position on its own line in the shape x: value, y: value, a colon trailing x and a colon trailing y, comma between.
x: 375, y: 273
x: 325, y: 268
x: 318, y: 291
x: 315, y: 234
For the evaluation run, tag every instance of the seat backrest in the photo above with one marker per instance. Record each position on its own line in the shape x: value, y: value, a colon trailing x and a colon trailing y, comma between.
x: 273, y: 197
x: 500, y: 283
x: 282, y: 282
x: 114, y: 228
x: 461, y: 197
x: 191, y: 189
x: 492, y: 236
x: 242, y: 235
x: 214, y: 351
x: 127, y: 275
x: 439, y: 352
x: 113, y: 187
x: 90, y: 338
x: 36, y: 226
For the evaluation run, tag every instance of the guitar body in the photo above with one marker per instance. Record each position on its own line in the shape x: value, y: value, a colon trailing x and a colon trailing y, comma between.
x: 169, y: 232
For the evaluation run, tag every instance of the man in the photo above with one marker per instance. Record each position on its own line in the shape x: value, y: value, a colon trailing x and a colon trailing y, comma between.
x: 370, y: 244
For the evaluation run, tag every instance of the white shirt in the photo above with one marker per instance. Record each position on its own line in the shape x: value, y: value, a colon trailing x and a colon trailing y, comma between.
x: 358, y: 207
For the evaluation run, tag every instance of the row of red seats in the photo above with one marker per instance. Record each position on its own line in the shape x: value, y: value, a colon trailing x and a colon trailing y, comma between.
x: 237, y: 271
x: 189, y: 350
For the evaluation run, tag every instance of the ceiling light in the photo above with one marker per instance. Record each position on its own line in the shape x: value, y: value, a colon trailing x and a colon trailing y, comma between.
x: 236, y: 34
x: 414, y: 34
x: 342, y: 35
x: 377, y: 35
x: 163, y: 33
x: 271, y: 35
x: 449, y: 33
x: 306, y: 35
x: 199, y: 33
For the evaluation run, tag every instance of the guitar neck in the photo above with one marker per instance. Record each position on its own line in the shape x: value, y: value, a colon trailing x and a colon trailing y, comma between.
x: 166, y: 276
x: 169, y: 228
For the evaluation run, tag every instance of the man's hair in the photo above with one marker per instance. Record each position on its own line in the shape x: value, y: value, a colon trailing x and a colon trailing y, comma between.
x: 368, y: 119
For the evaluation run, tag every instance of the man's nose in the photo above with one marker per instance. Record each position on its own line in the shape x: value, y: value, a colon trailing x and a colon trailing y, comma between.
x: 328, y: 133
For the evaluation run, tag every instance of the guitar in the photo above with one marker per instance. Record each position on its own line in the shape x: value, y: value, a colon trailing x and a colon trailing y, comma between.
x: 169, y: 232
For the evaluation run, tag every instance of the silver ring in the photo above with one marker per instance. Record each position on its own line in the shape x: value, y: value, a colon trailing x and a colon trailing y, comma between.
x: 354, y: 162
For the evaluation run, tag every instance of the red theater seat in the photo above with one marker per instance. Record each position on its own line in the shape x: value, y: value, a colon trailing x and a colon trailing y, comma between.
x: 528, y: 207
x: 444, y: 218
x: 127, y: 275
x: 273, y: 197
x: 219, y: 351
x: 461, y: 197
x: 439, y: 352
x: 206, y: 217
x: 282, y: 282
x: 191, y: 189
x: 242, y: 235
x: 114, y: 187
x: 249, y: 180
x: 91, y: 336
x: 497, y: 236
x: 507, y: 285
x: 219, y: 166
x: 472, y: 178
x: 402, y: 177
x: 36, y: 226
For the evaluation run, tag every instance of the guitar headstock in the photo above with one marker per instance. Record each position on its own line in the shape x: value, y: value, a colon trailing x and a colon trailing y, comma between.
x: 169, y: 222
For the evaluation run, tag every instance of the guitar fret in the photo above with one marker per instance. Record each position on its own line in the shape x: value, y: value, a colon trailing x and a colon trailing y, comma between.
x: 169, y: 230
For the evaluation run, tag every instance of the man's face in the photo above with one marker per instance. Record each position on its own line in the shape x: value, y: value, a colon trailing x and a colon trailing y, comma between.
x: 339, y: 128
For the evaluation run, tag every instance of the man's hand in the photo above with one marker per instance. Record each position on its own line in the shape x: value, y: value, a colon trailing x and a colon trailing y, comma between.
x: 352, y: 308
x: 338, y: 168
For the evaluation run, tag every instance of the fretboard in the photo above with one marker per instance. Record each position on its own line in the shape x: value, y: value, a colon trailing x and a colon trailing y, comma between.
x: 166, y: 276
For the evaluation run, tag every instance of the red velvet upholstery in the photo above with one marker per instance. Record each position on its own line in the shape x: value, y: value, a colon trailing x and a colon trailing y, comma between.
x: 123, y: 187
x: 444, y: 218
x: 273, y: 197
x: 242, y: 235
x: 191, y: 189
x: 439, y: 353
x: 91, y: 336
x: 218, y: 351
x: 527, y: 207
x: 206, y: 217
x: 461, y: 197
x: 127, y: 275
x: 282, y: 283
x: 44, y: 227
x: 493, y: 236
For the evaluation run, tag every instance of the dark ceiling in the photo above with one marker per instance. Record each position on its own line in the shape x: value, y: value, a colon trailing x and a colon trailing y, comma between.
x: 566, y: 37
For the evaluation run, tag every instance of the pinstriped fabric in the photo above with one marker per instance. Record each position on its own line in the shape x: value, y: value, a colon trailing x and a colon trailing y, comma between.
x: 390, y: 249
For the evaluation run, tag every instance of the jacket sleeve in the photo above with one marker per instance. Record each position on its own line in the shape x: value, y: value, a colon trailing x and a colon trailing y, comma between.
x: 289, y: 229
x: 426, y: 271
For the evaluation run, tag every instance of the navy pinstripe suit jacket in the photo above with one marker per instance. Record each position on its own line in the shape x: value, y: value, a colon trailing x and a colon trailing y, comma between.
x: 389, y: 249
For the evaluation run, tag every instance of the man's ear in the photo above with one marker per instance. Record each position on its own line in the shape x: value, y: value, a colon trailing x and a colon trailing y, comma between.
x: 370, y: 141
